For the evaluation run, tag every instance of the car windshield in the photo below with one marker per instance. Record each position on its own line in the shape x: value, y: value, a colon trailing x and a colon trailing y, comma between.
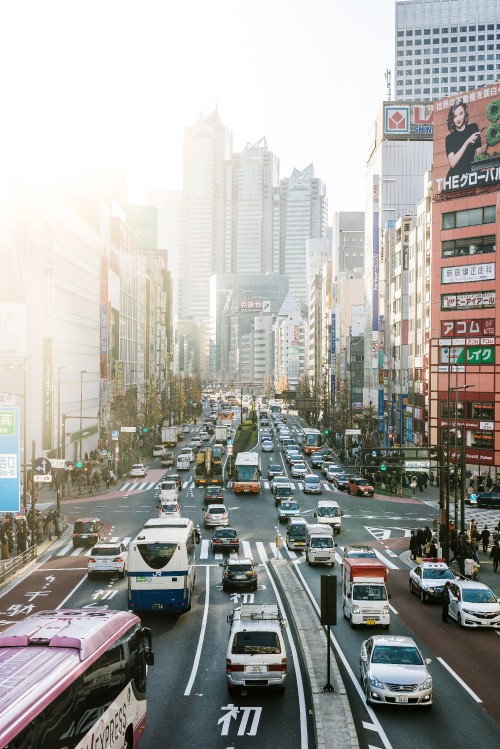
x: 360, y: 482
x: 434, y: 574
x: 289, y: 506
x: 84, y: 527
x: 283, y: 491
x: 168, y: 486
x: 478, y: 595
x: 109, y: 552
x: 328, y: 512
x: 169, y: 508
x: 397, y: 655
x: 342, y: 477
x: 312, y: 480
x: 322, y: 543
x: 156, y: 555
x: 256, y: 642
x: 275, y: 468
x: 226, y: 533
x: 138, y: 466
x: 369, y: 593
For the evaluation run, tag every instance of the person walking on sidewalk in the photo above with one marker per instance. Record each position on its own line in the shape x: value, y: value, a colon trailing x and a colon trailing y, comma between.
x: 445, y: 601
x: 485, y: 539
x: 495, y: 555
x: 413, y: 545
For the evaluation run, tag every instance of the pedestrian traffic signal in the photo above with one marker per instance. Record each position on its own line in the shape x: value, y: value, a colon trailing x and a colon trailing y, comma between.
x: 145, y: 430
x: 383, y: 467
x: 326, y: 431
x: 78, y: 464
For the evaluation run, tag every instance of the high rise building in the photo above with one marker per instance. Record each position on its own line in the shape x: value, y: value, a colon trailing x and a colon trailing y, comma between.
x: 445, y: 47
x: 255, y: 210
x: 204, y: 213
x: 304, y: 214
x: 348, y: 239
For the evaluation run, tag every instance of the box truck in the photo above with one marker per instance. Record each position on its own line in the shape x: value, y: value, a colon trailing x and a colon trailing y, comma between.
x: 169, y: 436
x: 320, y: 546
x: 364, y: 595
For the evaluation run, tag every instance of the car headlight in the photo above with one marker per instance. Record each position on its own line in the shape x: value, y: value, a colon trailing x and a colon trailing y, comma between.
x: 385, y: 609
x: 427, y: 684
x: 355, y: 609
x: 373, y: 682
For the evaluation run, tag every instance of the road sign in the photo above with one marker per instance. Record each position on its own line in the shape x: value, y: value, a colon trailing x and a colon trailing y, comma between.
x: 41, y: 466
x: 417, y: 465
x: 45, y: 478
x: 57, y: 462
x: 128, y: 429
x: 352, y: 431
x: 104, y: 453
x: 115, y: 434
x: 230, y: 442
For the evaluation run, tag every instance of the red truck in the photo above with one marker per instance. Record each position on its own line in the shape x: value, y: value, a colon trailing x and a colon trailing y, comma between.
x: 364, y: 596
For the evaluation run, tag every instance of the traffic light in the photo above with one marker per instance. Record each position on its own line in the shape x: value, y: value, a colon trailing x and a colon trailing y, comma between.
x: 383, y: 466
x: 145, y: 430
x: 327, y: 431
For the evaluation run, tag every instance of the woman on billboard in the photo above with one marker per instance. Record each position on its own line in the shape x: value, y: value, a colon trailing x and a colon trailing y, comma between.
x: 464, y: 140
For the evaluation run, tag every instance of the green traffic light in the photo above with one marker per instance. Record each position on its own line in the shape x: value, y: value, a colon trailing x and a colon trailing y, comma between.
x: 326, y: 431
x: 383, y: 467
x: 145, y: 429
x: 78, y: 464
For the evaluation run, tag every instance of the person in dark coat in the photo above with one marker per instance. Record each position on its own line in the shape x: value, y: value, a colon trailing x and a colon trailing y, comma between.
x: 413, y: 545
x: 445, y: 600
x: 495, y: 555
x: 485, y: 539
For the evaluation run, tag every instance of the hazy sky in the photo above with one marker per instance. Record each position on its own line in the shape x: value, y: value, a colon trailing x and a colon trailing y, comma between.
x: 112, y: 83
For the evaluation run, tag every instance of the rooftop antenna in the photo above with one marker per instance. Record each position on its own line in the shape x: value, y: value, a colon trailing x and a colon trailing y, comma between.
x: 388, y: 83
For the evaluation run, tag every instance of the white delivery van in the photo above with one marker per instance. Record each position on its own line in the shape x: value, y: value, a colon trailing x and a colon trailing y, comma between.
x: 329, y: 513
x: 364, y: 596
x: 183, y: 463
x: 320, y: 546
x: 168, y: 491
x: 189, y: 452
x: 256, y: 651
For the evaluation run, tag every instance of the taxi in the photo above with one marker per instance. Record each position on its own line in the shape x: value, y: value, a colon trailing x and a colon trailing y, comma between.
x: 428, y: 579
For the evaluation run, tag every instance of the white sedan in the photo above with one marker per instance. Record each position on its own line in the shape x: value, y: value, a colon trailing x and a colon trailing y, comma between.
x: 267, y: 446
x: 108, y: 558
x: 138, y: 470
x: 299, y: 470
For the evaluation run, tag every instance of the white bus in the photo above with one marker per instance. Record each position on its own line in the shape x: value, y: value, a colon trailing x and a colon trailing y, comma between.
x: 162, y: 566
x: 247, y: 473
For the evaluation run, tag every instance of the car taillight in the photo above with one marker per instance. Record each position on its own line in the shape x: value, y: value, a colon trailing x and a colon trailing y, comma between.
x: 91, y: 559
x: 118, y: 559
x: 233, y: 541
x: 230, y: 667
x: 278, y: 666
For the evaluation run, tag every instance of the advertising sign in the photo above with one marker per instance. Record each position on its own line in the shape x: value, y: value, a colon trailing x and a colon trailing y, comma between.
x: 467, y: 141
x: 255, y: 305
x: 404, y: 119
x: 468, y: 273
x: 48, y: 394
x: 10, y: 464
x: 456, y: 328
x: 473, y: 300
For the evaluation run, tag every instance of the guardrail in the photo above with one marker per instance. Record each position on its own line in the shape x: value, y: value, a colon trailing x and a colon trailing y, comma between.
x: 9, y: 567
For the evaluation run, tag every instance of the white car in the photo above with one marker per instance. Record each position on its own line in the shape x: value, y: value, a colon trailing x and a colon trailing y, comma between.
x: 312, y: 484
x: 138, y: 470
x: 394, y: 672
x: 428, y: 579
x: 267, y: 446
x: 474, y: 605
x: 299, y: 470
x: 204, y: 436
x: 158, y: 451
x: 169, y: 510
x: 108, y: 558
x: 215, y: 515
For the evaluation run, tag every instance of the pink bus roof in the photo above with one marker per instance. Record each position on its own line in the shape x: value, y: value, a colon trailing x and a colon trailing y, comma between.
x: 42, y: 654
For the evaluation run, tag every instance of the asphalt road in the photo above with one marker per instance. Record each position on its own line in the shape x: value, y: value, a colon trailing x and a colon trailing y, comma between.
x: 187, y: 695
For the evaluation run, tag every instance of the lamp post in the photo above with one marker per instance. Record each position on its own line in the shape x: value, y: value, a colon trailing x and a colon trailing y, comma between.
x: 82, y: 372
x: 462, y: 457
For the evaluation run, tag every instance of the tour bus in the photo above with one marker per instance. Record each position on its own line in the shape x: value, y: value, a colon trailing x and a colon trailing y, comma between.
x: 247, y: 473
x: 311, y: 440
x: 76, y: 679
x: 162, y: 566
x: 275, y: 409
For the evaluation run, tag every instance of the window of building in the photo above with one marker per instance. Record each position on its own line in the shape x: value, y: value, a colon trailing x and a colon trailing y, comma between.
x: 482, y: 439
x: 484, y: 411
x: 469, y: 217
x: 473, y: 246
x: 451, y: 409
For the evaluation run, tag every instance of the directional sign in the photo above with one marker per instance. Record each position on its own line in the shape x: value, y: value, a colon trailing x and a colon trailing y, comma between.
x: 352, y: 432
x: 115, y: 434
x: 417, y: 465
x: 128, y: 429
x: 41, y: 466
x: 57, y: 462
x: 45, y: 478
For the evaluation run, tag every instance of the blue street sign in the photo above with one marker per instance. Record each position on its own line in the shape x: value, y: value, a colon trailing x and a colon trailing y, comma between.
x: 230, y: 442
x: 10, y: 462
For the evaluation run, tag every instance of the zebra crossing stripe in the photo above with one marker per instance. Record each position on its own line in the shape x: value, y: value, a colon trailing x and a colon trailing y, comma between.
x: 62, y: 552
x: 262, y: 552
x: 204, y: 549
x: 247, y: 551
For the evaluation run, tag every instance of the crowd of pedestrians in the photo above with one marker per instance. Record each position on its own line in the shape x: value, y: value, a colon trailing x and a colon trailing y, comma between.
x: 17, y: 534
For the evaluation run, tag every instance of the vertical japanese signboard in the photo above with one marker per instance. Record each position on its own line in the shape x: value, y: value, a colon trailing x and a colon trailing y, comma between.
x: 10, y: 468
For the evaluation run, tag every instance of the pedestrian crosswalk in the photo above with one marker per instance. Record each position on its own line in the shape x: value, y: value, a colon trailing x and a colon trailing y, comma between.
x: 68, y: 550
x: 142, y: 486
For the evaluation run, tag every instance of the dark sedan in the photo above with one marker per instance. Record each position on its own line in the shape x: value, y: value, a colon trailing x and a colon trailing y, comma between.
x: 213, y: 494
x: 488, y: 499
x: 225, y: 539
x: 239, y: 573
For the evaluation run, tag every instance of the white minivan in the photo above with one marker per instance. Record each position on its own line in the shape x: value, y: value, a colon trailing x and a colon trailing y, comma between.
x: 189, y: 452
x: 329, y: 513
x: 183, y: 463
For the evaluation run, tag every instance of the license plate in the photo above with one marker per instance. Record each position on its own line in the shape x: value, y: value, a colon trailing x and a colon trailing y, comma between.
x: 255, y: 669
x: 322, y: 559
x: 157, y: 606
x: 401, y: 698
x: 246, y: 491
x: 370, y: 621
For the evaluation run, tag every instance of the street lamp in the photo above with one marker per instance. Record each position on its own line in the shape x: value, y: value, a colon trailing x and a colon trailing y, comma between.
x: 82, y: 372
x: 462, y: 458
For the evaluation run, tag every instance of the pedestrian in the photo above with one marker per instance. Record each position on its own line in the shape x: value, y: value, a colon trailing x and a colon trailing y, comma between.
x: 413, y: 484
x: 413, y: 545
x: 58, y: 525
x: 431, y: 478
x: 485, y: 539
x: 445, y: 601
x: 50, y: 529
x: 495, y: 555
x: 433, y: 551
x: 420, y: 541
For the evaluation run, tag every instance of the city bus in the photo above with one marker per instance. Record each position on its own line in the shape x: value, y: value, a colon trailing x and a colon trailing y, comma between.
x: 162, y: 566
x: 311, y: 440
x: 247, y: 473
x: 275, y: 408
x: 74, y: 679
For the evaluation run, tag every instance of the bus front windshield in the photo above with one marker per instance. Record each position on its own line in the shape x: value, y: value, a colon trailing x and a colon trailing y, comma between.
x: 246, y: 473
x: 313, y: 440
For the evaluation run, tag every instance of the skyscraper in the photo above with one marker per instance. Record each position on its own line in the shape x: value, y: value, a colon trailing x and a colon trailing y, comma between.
x: 255, y: 210
x: 445, y: 47
x: 304, y: 214
x: 204, y: 212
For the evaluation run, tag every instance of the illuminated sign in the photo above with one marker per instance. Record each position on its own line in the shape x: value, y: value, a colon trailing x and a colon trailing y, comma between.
x: 468, y: 273
x: 455, y: 328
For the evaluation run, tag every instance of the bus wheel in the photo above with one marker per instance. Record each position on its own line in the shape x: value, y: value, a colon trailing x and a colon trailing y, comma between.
x: 129, y: 739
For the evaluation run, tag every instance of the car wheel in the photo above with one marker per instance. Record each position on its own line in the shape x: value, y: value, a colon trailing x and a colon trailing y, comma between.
x: 410, y: 585
x: 423, y: 596
x: 367, y: 692
x: 348, y: 490
x: 89, y: 574
x: 123, y: 573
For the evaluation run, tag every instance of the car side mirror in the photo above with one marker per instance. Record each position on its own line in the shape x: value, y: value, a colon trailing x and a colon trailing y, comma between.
x: 363, y: 656
x: 428, y: 661
x: 388, y: 595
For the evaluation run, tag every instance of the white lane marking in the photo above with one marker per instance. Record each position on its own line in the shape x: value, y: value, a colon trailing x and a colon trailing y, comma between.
x: 356, y: 684
x: 460, y: 681
x: 327, y: 486
x: 247, y: 551
x: 291, y: 553
x: 64, y: 550
x: 219, y: 557
x: 262, y: 552
x: 204, y: 549
x: 114, y: 540
x: 385, y: 561
x: 126, y: 541
x: 196, y: 661
x: 274, y: 549
x: 390, y: 553
x: 304, y: 739
x: 125, y: 486
x: 77, y: 551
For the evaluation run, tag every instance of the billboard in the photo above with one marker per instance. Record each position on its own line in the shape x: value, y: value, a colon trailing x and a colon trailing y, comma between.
x: 467, y: 142
x: 408, y: 119
x: 10, y: 464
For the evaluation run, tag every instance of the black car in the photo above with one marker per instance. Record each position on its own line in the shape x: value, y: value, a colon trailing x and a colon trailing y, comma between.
x: 488, y: 499
x: 275, y: 470
x: 213, y: 494
x: 239, y: 573
x: 317, y: 460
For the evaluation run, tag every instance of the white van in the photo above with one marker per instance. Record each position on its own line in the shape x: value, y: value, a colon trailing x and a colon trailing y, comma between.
x: 168, y: 491
x: 158, y: 451
x: 183, y: 463
x: 256, y: 651
x: 329, y: 513
x: 189, y: 452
